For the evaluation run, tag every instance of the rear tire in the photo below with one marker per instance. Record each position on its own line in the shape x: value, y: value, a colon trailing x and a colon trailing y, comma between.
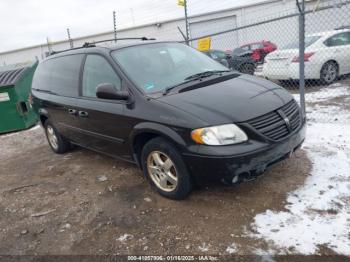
x: 329, y: 73
x: 165, y: 169
x: 247, y: 69
x: 58, y: 143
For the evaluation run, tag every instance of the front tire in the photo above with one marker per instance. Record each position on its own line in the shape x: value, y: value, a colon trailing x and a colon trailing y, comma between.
x: 329, y: 73
x: 57, y: 142
x: 165, y: 169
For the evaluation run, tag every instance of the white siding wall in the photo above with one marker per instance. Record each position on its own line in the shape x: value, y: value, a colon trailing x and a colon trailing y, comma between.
x: 281, y: 32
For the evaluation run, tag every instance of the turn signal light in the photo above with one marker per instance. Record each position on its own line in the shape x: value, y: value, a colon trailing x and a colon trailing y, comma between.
x: 306, y: 57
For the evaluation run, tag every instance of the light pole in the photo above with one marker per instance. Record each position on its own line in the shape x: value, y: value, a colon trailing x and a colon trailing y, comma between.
x: 70, y: 39
x: 184, y: 4
x: 115, y: 26
x: 301, y: 7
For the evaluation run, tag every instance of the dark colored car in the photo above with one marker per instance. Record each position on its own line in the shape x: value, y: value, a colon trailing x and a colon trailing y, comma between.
x: 218, y: 56
x: 259, y: 50
x: 182, y: 117
x: 240, y: 62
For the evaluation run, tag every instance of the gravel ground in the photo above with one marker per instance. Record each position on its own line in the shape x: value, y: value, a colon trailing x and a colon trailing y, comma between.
x: 87, y: 203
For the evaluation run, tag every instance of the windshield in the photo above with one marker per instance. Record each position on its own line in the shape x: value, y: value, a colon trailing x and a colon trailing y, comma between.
x: 309, y: 40
x: 155, y: 67
x: 239, y: 51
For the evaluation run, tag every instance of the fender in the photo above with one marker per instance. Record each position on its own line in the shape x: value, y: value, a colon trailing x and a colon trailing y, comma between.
x: 43, y: 112
x: 155, y: 128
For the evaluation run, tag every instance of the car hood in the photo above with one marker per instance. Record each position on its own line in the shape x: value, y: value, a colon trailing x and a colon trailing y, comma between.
x: 235, y: 100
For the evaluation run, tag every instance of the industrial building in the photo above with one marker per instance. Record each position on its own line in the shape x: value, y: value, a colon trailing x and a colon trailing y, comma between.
x: 280, y: 31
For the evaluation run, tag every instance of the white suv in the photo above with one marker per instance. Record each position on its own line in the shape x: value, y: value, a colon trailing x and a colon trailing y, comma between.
x: 327, y: 56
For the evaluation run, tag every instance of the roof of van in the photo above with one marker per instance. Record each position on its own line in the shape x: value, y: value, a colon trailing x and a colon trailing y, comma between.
x: 103, y: 48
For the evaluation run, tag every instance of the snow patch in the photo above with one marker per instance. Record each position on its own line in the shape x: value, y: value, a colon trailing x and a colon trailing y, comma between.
x: 231, y: 249
x: 124, y: 237
x: 204, y: 247
x: 327, y: 93
x: 321, y: 108
x: 318, y: 213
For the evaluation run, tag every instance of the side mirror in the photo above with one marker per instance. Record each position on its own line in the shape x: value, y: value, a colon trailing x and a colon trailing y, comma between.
x: 108, y: 91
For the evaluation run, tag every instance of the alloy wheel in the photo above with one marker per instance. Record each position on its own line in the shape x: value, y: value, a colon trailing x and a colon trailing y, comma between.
x: 51, y: 135
x: 162, y: 171
x: 329, y: 73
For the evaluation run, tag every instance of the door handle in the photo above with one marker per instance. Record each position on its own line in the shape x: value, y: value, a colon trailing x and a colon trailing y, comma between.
x: 83, y: 114
x: 72, y: 111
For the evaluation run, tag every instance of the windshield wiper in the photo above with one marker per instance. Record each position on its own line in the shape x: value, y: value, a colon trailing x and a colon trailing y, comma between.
x: 195, y: 77
x: 206, y: 74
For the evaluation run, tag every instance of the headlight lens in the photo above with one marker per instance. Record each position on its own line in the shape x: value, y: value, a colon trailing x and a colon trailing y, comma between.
x: 219, y: 135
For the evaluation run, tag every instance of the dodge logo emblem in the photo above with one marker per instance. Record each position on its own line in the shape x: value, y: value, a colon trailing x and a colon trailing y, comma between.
x: 285, y: 119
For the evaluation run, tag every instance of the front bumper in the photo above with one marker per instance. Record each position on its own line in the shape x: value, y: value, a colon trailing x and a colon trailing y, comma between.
x: 215, y: 163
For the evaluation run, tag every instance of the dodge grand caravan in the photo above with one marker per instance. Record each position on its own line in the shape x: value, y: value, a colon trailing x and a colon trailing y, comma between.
x: 182, y: 117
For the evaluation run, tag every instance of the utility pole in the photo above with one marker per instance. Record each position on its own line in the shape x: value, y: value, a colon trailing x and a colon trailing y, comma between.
x: 70, y: 39
x: 186, y: 21
x: 301, y: 7
x: 115, y: 27
x: 49, y: 45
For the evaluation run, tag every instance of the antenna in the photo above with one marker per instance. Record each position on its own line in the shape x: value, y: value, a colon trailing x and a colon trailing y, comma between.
x: 70, y: 39
x: 115, y: 26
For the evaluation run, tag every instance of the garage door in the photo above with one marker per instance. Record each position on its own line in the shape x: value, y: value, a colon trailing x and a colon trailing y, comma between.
x: 207, y: 27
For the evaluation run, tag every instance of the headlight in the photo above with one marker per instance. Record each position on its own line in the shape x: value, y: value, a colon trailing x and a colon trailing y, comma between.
x: 219, y: 135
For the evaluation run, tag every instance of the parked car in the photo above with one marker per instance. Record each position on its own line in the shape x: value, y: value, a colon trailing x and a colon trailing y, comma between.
x: 218, y: 56
x: 327, y: 56
x: 240, y: 62
x: 183, y: 118
x: 259, y: 49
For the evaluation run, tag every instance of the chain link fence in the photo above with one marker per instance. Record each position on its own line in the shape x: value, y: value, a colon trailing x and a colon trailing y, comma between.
x: 270, y: 48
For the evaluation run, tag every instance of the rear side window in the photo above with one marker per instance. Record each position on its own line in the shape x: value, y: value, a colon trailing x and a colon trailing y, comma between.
x: 59, y: 75
x: 256, y: 46
x: 339, y: 39
x: 245, y: 47
x: 97, y: 71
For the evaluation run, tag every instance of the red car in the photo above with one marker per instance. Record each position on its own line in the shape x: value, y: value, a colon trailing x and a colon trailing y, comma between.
x: 260, y: 49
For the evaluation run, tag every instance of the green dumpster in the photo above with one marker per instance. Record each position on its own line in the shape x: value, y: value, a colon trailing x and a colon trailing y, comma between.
x: 15, y: 83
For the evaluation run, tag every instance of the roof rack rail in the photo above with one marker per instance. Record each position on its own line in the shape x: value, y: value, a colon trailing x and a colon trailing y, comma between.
x: 93, y: 44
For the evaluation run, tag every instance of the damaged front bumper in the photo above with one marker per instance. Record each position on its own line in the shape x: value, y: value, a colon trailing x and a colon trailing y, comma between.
x: 242, y: 161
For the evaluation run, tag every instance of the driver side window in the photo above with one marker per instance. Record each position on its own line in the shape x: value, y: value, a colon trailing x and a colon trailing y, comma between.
x: 97, y: 71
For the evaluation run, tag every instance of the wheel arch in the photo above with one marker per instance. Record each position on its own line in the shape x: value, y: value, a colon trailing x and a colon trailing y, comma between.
x: 43, y: 116
x: 146, y: 131
x: 329, y: 61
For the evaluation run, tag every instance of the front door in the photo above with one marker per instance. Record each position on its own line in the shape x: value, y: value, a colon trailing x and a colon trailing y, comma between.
x: 101, y: 121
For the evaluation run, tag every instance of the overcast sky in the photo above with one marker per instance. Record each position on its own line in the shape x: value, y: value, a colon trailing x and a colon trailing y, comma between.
x: 29, y: 22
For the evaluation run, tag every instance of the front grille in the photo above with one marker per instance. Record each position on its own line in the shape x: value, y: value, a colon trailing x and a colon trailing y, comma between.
x: 279, y: 123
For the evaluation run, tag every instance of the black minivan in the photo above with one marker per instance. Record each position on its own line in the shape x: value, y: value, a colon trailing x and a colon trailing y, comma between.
x: 182, y: 117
